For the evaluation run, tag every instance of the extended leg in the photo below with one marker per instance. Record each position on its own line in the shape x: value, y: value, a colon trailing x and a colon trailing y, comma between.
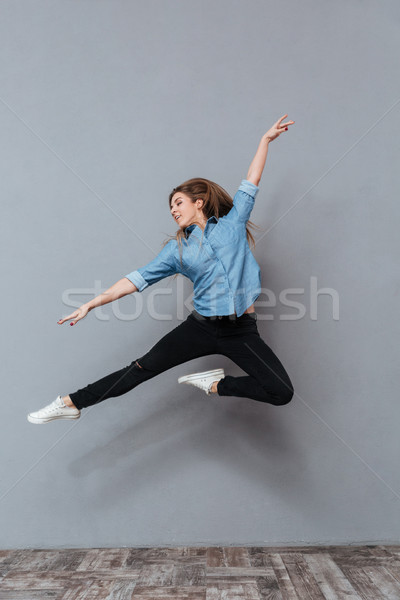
x: 112, y: 385
x: 185, y: 342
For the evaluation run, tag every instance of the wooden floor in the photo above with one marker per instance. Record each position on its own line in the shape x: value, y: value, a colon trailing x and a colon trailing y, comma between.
x: 229, y: 573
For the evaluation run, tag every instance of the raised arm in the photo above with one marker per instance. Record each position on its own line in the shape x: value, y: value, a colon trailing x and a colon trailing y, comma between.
x: 257, y: 165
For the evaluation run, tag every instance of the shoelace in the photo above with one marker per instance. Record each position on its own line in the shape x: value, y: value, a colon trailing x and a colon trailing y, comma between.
x: 55, y: 405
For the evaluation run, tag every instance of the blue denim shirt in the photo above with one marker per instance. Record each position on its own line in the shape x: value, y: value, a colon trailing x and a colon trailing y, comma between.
x: 226, y: 277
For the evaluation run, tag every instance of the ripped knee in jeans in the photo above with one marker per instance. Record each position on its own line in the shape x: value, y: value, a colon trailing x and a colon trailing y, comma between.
x: 140, y: 366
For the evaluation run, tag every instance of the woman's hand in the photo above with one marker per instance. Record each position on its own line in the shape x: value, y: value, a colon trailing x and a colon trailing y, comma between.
x: 81, y: 312
x: 277, y: 129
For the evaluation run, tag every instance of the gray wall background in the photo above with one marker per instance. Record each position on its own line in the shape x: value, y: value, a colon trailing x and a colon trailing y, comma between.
x: 106, y: 106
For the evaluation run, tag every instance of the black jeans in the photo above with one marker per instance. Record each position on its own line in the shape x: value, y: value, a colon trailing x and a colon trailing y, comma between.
x: 238, y: 339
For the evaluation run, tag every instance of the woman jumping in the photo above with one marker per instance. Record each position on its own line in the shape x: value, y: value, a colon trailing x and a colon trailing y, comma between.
x: 210, y: 248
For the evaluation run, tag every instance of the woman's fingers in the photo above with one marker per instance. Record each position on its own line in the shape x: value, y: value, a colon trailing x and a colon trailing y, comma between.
x: 280, y: 124
x: 283, y: 125
x: 277, y: 129
x: 76, y: 316
x: 72, y: 316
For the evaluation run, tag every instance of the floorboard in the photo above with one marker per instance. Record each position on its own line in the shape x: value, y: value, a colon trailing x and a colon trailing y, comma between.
x: 370, y: 572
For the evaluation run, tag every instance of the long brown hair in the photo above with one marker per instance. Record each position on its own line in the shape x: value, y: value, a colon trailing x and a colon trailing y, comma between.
x: 216, y: 201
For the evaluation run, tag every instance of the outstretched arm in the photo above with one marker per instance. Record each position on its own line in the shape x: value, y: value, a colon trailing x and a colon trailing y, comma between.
x: 116, y: 291
x: 257, y: 165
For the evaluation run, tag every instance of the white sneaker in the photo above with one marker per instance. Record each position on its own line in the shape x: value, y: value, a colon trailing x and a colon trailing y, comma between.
x: 203, y: 380
x: 56, y: 410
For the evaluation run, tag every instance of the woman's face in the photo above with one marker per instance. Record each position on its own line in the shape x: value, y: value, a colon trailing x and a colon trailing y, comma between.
x: 184, y: 211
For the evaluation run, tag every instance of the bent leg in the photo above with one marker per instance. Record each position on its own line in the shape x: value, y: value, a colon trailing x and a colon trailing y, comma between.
x: 185, y: 342
x: 267, y: 379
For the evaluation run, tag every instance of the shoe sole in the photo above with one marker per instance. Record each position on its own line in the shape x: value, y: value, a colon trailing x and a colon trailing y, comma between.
x: 42, y: 421
x: 194, y: 376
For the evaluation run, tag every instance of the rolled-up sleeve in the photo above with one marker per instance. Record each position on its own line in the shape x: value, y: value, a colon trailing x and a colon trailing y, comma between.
x: 163, y: 265
x: 243, y: 201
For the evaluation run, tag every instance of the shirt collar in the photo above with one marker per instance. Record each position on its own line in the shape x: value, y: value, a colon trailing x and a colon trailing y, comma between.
x: 188, y: 230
